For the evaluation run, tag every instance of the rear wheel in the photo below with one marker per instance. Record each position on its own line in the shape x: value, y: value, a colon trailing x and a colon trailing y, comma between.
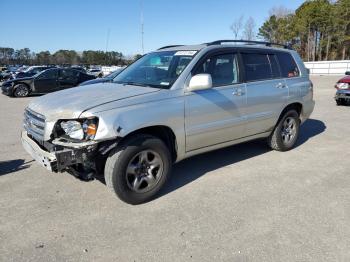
x: 285, y: 134
x: 138, y: 169
x: 21, y: 90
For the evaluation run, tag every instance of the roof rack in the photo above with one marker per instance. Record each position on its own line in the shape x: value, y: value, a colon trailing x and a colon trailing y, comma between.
x: 249, y: 42
x: 168, y: 46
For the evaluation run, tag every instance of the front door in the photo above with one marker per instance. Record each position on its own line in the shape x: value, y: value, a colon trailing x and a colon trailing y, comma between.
x: 46, y: 82
x: 214, y: 116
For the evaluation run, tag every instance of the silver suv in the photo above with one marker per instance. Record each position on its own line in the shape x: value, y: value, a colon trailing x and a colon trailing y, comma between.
x: 170, y: 104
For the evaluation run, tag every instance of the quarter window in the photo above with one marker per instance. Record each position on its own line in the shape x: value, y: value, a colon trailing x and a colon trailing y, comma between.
x: 288, y: 66
x: 222, y: 68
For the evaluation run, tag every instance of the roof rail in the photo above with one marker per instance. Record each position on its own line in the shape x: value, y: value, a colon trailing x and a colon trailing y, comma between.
x: 168, y: 46
x: 249, y: 42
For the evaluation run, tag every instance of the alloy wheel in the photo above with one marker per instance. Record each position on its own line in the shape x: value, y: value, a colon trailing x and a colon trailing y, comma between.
x: 144, y: 171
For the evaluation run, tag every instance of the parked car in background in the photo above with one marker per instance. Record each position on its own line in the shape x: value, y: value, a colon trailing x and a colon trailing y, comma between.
x: 30, y: 71
x: 170, y: 104
x: 96, y: 72
x: 106, y: 79
x: 342, y: 96
x: 7, y: 74
x: 79, y: 68
x: 47, y: 81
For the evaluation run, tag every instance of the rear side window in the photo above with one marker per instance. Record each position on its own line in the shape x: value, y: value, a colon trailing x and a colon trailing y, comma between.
x: 288, y: 66
x: 257, y: 66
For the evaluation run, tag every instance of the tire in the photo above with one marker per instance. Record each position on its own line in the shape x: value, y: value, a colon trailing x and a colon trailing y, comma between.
x: 130, y: 176
x: 21, y: 90
x: 285, y: 133
x: 339, y: 102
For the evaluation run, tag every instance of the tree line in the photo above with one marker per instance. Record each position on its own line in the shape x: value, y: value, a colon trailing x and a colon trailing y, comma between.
x: 10, y: 56
x: 318, y: 29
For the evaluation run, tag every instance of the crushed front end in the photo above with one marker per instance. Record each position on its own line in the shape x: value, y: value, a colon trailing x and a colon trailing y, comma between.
x: 61, y: 152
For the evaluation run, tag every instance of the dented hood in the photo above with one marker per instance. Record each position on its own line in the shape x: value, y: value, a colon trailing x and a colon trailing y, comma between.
x: 70, y: 103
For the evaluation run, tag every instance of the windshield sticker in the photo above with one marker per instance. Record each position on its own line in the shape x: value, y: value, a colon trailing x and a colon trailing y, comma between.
x: 164, y: 83
x: 185, y: 53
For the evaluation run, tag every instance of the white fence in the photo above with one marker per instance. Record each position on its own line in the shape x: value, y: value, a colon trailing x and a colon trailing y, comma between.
x: 328, y: 67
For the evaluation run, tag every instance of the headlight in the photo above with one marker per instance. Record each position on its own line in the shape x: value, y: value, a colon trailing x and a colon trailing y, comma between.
x: 342, y: 85
x: 80, y: 129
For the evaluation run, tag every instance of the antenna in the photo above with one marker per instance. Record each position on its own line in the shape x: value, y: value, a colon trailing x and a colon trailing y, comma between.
x: 107, y: 41
x: 107, y: 38
x: 142, y: 23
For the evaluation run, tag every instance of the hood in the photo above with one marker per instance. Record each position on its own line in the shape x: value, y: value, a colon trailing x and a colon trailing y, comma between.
x: 70, y: 103
x: 95, y: 81
x: 345, y: 79
x: 11, y: 81
x: 22, y: 78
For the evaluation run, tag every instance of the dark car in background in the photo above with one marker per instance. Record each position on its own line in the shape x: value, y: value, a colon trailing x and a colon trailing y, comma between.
x: 342, y: 96
x: 31, y: 71
x: 7, y: 74
x: 47, y: 81
x: 106, y: 79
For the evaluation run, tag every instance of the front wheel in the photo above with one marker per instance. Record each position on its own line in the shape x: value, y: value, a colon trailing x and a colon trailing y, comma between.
x: 21, y: 90
x: 137, y: 169
x: 285, y: 134
x: 339, y: 102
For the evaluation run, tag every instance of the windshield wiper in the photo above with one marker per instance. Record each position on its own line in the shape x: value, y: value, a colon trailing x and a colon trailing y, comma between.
x: 135, y: 84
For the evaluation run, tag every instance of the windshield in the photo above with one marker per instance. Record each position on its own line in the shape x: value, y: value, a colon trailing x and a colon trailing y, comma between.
x: 159, y: 69
x: 114, y: 73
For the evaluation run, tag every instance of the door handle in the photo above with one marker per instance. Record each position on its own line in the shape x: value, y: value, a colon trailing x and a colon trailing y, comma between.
x: 281, y: 85
x: 238, y: 92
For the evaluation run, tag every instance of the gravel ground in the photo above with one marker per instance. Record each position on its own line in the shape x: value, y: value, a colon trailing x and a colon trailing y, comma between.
x: 243, y: 203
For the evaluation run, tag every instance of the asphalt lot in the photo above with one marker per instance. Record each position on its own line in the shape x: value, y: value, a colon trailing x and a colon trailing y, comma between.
x: 243, y: 203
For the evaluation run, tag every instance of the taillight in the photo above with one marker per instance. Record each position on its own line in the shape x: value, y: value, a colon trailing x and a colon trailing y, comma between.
x: 312, y: 89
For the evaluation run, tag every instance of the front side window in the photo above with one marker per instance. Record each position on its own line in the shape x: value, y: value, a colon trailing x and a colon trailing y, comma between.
x: 222, y: 68
x: 69, y: 74
x: 48, y: 74
x: 158, y: 69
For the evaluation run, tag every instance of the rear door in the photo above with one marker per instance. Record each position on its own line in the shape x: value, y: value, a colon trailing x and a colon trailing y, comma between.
x: 46, y: 82
x: 214, y: 116
x: 68, y: 78
x: 267, y: 92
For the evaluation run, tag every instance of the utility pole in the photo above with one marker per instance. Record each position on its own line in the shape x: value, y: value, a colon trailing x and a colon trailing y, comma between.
x: 107, y: 42
x: 142, y: 23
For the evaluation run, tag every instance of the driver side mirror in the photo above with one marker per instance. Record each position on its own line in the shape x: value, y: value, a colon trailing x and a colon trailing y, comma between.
x: 347, y: 73
x: 200, y: 82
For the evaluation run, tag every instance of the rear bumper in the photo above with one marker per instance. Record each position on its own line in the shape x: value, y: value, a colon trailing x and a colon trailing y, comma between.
x: 308, y: 108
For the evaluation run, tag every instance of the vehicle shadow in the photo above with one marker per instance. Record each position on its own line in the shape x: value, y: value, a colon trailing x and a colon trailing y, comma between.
x: 193, y: 168
x: 10, y: 166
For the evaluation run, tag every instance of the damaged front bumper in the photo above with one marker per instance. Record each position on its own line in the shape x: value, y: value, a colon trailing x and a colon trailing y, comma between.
x: 342, y: 94
x: 76, y: 158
